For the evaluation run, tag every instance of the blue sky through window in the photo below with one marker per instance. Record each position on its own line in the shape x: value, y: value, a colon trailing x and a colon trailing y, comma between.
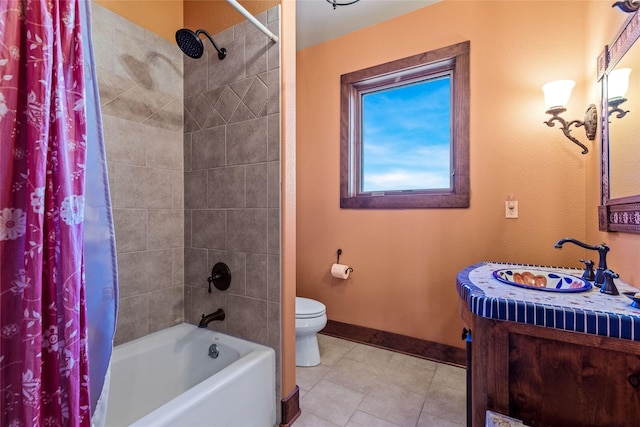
x: 406, y: 137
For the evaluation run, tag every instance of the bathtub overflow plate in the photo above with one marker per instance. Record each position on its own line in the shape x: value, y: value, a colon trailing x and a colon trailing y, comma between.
x: 213, y: 351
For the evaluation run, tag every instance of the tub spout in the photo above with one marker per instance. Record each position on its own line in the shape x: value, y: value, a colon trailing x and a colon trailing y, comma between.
x: 216, y: 315
x: 602, y: 250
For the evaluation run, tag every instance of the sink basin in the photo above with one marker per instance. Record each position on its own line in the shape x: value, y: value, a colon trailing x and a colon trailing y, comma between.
x: 635, y: 297
x: 541, y: 280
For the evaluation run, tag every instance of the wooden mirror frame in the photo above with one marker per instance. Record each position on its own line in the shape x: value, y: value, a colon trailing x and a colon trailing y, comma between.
x: 619, y: 214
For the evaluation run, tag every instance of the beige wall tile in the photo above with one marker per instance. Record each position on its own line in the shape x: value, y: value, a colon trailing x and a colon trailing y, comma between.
x: 257, y: 273
x: 196, y: 267
x: 247, y: 317
x: 142, y: 187
x: 124, y: 141
x: 133, y: 318
x: 164, y: 148
x: 247, y: 142
x: 177, y: 266
x: 226, y: 187
x: 247, y: 230
x: 131, y: 229
x: 165, y: 228
x: 142, y: 272
x: 165, y: 308
x: 208, y: 229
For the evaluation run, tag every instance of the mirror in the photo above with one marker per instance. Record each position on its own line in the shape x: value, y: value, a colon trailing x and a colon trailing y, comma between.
x: 624, y: 125
x: 619, y: 72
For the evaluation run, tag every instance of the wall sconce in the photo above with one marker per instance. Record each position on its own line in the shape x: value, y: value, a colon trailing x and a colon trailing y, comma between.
x: 629, y: 6
x: 556, y: 96
x: 617, y: 86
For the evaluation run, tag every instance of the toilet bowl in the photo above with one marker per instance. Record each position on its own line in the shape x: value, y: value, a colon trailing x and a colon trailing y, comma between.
x: 311, y: 317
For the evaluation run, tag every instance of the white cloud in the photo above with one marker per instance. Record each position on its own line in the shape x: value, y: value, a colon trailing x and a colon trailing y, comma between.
x: 406, y: 180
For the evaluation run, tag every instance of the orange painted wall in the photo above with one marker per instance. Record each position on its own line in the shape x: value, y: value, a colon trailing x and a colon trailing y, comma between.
x: 406, y: 261
x: 217, y: 15
x: 288, y: 194
x: 163, y: 17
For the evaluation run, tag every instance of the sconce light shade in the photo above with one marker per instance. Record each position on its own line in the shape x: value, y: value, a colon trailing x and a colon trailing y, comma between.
x: 557, y: 93
x: 618, y: 83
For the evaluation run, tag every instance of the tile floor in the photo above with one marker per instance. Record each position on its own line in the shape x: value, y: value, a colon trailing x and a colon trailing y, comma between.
x: 360, y: 385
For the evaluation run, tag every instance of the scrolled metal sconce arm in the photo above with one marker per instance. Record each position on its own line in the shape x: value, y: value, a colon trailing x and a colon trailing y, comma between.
x: 614, y: 107
x: 589, y: 123
x: 628, y: 6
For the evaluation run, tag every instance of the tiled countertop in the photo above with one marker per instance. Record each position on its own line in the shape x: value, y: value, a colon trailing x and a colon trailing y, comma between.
x: 588, y: 312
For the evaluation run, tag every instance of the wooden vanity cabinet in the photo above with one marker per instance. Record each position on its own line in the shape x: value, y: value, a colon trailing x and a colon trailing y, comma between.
x: 551, y: 377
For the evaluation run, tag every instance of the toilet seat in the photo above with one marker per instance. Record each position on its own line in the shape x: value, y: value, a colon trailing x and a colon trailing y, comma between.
x: 307, y: 308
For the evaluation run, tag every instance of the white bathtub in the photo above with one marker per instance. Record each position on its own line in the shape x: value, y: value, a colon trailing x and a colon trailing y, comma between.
x: 168, y: 379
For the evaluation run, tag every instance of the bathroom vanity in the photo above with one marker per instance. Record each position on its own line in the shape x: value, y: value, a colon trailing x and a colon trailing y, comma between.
x: 550, y: 358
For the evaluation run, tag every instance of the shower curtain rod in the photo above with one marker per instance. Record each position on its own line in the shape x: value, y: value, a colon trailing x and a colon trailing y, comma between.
x: 253, y: 20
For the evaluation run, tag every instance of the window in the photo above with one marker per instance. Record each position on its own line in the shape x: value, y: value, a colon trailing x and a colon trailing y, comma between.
x: 405, y: 132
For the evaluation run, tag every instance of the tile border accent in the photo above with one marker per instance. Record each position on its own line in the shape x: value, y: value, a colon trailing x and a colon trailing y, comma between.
x: 395, y: 342
x: 290, y: 406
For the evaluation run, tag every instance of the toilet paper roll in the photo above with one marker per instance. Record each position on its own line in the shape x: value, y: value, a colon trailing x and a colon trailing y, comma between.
x: 340, y: 271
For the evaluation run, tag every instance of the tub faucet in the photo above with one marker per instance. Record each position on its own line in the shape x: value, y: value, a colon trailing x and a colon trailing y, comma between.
x: 602, y: 253
x: 216, y: 315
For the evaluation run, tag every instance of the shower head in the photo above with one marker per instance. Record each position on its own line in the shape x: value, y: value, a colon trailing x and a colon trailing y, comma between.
x: 191, y: 44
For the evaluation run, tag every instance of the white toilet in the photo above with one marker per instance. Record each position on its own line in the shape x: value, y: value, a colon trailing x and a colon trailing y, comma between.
x: 311, y: 317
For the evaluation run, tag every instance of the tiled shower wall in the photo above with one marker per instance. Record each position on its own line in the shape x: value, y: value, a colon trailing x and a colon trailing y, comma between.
x: 224, y: 160
x: 232, y: 181
x: 140, y: 80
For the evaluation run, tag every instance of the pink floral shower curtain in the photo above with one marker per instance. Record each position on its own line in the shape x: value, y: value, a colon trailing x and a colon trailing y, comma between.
x: 43, y: 345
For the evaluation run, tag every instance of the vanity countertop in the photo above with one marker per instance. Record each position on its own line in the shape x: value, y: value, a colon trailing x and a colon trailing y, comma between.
x: 589, y: 312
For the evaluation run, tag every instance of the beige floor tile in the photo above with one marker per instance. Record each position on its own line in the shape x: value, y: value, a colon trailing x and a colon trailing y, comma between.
x: 441, y: 391
x: 307, y: 377
x: 362, y: 419
x: 370, y: 355
x: 332, y: 402
x: 451, y: 376
x: 331, y: 351
x: 400, y: 359
x: 446, y: 402
x: 394, y: 404
x: 413, y: 379
x: 335, y: 341
x: 360, y: 385
x: 356, y: 375
x: 428, y: 420
x: 307, y: 419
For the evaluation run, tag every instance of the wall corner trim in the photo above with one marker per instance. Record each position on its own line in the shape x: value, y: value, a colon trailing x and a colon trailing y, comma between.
x: 290, y: 407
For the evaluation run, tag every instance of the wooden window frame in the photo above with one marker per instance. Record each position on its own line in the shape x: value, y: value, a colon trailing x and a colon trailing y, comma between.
x: 451, y: 59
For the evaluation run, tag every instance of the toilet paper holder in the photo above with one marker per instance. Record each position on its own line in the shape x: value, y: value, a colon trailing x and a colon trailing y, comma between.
x: 339, y: 252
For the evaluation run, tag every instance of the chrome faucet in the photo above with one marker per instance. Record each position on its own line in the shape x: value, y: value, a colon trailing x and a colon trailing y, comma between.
x: 216, y: 315
x: 602, y: 253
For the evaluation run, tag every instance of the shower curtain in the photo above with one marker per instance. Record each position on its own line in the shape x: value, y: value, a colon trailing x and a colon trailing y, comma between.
x: 44, y: 361
x: 101, y: 271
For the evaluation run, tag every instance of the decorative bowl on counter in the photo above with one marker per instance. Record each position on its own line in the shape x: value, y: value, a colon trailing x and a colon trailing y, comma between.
x: 541, y: 280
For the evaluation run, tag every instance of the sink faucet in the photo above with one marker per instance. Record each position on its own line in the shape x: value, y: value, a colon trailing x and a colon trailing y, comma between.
x: 602, y: 253
x: 216, y: 315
